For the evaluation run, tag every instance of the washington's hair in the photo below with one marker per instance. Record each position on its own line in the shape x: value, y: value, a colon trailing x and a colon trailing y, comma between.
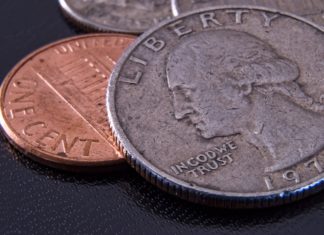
x: 248, y: 61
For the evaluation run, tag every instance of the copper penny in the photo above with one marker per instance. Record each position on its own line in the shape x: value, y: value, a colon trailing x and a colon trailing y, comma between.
x: 53, y: 102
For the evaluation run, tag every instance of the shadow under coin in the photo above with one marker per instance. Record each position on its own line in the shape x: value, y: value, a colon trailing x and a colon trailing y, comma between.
x: 157, y: 202
x: 99, y: 175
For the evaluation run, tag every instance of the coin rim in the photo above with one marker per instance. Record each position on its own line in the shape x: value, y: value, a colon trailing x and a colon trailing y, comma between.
x: 181, y: 188
x: 85, y: 22
x: 28, y: 149
x: 175, y: 8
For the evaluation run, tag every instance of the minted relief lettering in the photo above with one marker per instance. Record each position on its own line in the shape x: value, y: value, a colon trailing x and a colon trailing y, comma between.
x: 213, y: 165
x: 238, y: 15
x: 194, y: 173
x: 180, y: 29
x: 192, y: 162
x: 28, y: 128
x: 61, y: 50
x: 268, y: 182
x: 87, y: 145
x: 26, y: 83
x: 291, y: 175
x: 175, y: 170
x: 20, y: 112
x: 202, y: 170
x: 50, y: 134
x: 314, y: 163
x: 71, y: 47
x: 269, y: 18
x: 311, y: 166
x: 154, y: 44
x: 23, y: 97
x: 137, y: 60
x: 202, y: 158
x: 208, y: 18
x: 66, y: 146
x: 136, y: 77
x: 211, y: 154
x: 181, y: 166
x: 221, y: 149
x: 225, y: 159
x: 231, y: 145
x: 22, y: 93
x: 211, y: 160
x: 132, y: 80
x: 54, y: 140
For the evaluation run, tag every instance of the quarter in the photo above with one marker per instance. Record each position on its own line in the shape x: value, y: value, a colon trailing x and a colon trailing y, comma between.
x: 224, y: 106
x: 53, y: 102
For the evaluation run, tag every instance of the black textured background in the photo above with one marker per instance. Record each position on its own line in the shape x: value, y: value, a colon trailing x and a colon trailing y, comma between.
x: 38, y: 200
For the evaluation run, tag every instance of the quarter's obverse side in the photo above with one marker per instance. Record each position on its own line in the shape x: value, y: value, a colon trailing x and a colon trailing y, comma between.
x: 53, y: 102
x: 117, y: 15
x: 311, y: 9
x: 225, y: 107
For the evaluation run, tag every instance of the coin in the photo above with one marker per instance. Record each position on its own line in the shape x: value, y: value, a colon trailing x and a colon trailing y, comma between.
x: 53, y: 102
x: 313, y: 10
x: 224, y: 107
x: 117, y: 15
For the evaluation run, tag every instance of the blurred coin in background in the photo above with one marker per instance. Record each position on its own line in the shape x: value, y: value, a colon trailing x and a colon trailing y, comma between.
x: 310, y: 9
x: 123, y: 16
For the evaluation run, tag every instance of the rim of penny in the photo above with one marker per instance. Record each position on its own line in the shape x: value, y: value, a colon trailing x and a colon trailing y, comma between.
x: 20, y: 143
x: 181, y: 188
x: 89, y: 24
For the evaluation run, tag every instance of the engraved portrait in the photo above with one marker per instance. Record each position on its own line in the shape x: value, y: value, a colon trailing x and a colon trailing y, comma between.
x: 229, y: 83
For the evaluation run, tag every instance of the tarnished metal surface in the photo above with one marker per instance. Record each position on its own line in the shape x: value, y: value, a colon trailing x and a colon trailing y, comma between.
x: 224, y: 106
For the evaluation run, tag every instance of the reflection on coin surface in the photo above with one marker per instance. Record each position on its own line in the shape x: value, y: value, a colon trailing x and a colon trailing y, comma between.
x: 224, y: 107
x: 312, y: 10
x: 53, y: 102
x: 126, y: 16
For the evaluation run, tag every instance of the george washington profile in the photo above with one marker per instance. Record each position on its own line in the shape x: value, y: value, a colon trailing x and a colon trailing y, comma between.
x: 228, y: 82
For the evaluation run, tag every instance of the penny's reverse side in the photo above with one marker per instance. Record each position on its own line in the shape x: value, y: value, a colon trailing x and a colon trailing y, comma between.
x: 53, y: 102
x: 124, y: 16
x: 225, y: 107
x: 310, y: 9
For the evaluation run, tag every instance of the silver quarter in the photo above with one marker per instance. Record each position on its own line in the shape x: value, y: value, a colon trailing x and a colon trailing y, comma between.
x: 224, y: 106
x: 116, y: 15
x: 310, y: 9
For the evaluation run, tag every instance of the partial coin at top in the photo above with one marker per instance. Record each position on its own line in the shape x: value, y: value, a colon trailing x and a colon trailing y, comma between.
x: 123, y: 16
x: 224, y: 106
x: 53, y: 102
x: 312, y: 10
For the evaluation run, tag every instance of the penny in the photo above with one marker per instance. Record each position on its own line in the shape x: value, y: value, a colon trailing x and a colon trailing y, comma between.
x: 312, y: 10
x: 224, y: 106
x: 117, y: 15
x: 53, y: 102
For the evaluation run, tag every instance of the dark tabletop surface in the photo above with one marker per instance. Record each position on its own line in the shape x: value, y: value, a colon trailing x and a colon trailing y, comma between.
x: 38, y: 200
